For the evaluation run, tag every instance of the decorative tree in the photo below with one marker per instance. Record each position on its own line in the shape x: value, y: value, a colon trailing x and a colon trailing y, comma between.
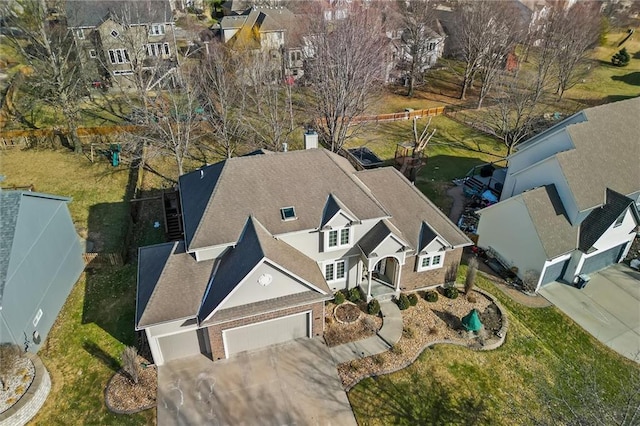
x: 621, y: 59
x: 130, y: 363
x: 470, y: 281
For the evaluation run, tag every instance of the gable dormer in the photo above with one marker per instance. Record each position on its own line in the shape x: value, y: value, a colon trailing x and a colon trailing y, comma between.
x: 336, y: 225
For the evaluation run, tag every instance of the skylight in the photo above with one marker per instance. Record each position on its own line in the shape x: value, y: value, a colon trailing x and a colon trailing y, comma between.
x: 288, y: 213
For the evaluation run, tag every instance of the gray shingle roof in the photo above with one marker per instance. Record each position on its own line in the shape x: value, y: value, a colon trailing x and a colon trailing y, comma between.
x: 217, y: 199
x: 550, y: 221
x: 426, y: 236
x: 409, y: 208
x: 333, y: 206
x: 170, y: 284
x: 607, y: 149
x: 255, y: 245
x: 376, y: 235
x: 600, y: 219
x: 91, y: 13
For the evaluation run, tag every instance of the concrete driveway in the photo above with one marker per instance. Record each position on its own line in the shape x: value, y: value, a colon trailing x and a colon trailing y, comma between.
x: 608, y: 307
x: 291, y: 384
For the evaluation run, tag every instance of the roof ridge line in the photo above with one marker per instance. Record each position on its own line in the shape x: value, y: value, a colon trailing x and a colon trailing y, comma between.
x: 209, y: 203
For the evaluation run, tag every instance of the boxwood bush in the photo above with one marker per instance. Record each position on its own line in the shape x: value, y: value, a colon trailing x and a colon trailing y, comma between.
x: 403, y: 302
x: 413, y: 299
x: 373, y: 307
x: 431, y: 296
x: 338, y: 298
x: 451, y: 292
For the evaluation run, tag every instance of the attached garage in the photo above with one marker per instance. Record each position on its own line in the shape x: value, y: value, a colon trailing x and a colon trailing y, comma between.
x: 602, y: 260
x: 184, y: 344
x: 554, y: 272
x: 266, y: 333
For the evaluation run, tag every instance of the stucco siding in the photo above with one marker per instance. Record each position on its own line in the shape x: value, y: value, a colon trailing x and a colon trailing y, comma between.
x: 45, y: 264
x: 215, y: 331
x: 412, y: 280
x: 251, y: 291
x: 507, y: 228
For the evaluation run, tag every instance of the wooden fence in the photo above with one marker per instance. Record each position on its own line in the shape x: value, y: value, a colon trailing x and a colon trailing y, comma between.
x: 97, y: 260
x: 397, y: 116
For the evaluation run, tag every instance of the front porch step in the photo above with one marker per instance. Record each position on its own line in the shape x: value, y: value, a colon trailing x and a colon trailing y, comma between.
x: 385, y: 297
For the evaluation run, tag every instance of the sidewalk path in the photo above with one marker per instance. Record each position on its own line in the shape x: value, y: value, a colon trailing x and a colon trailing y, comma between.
x: 387, y: 336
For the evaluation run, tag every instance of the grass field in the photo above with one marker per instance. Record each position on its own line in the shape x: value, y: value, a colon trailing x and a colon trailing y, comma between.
x: 83, y: 348
x: 454, y: 385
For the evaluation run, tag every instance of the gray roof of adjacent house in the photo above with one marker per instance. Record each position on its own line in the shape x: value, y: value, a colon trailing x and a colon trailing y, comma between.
x: 409, y: 208
x: 607, y: 149
x: 217, y: 199
x: 550, y: 220
x: 170, y: 284
x: 255, y: 245
x: 9, y: 211
x: 92, y: 13
x: 601, y: 218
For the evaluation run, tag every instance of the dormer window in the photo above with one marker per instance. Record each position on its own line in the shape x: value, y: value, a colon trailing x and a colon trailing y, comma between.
x: 156, y: 29
x: 338, y: 238
x: 619, y: 220
x: 288, y: 213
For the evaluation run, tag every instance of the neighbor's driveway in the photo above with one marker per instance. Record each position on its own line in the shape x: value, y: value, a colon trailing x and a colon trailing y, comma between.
x: 608, y: 307
x: 291, y: 384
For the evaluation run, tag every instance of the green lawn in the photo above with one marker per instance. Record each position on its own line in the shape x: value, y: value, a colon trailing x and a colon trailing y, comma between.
x: 454, y: 385
x: 83, y: 348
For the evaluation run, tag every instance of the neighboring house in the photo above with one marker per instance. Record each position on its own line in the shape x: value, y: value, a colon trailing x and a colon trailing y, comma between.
x: 569, y: 204
x: 431, y: 49
x: 116, y: 39
x: 40, y: 261
x: 271, y: 30
x: 269, y: 238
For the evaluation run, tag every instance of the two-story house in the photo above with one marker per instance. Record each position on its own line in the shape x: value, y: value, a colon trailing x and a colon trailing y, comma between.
x: 570, y: 197
x: 269, y: 238
x: 117, y: 39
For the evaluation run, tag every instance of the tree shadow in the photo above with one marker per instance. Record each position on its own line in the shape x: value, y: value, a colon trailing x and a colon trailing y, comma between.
x: 636, y: 55
x: 451, y: 320
x: 97, y: 352
x: 633, y: 78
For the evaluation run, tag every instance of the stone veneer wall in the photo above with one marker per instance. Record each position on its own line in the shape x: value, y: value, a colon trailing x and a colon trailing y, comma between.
x: 215, y: 331
x: 411, y: 280
x: 28, y: 406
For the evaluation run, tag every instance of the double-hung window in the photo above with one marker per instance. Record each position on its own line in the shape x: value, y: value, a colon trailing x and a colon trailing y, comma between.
x: 156, y: 29
x: 119, y: 56
x: 338, y: 238
x: 334, y: 271
x: 430, y: 261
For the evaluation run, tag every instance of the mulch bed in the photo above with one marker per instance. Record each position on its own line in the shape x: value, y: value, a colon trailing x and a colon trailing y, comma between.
x: 124, y: 397
x: 347, y: 313
x: 336, y: 333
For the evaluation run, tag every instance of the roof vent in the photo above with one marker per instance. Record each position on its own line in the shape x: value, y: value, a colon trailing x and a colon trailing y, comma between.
x: 288, y: 213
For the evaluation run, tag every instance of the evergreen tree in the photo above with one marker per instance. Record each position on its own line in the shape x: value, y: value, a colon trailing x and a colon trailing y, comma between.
x: 621, y: 59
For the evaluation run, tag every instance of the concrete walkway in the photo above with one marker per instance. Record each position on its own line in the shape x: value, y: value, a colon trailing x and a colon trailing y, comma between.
x: 386, y: 337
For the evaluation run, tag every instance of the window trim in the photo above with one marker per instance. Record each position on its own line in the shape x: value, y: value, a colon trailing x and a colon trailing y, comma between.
x: 160, y: 27
x: 119, y: 56
x: 431, y: 265
x: 334, y: 264
x: 339, y: 232
x: 114, y: 33
x: 93, y: 53
x: 79, y: 33
x: 620, y: 219
x: 284, y: 213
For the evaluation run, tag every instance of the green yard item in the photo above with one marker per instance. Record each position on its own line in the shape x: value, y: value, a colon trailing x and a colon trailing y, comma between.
x: 471, y: 321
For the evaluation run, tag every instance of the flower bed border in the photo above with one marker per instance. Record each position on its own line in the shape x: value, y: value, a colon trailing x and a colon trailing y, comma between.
x: 33, y: 399
x: 501, y: 336
x: 135, y: 410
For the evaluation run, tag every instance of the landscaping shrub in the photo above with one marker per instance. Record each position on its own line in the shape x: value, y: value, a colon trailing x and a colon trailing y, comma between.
x: 373, y: 307
x: 396, y: 349
x: 621, y: 59
x: 451, y: 292
x: 378, y: 359
x: 433, y: 330
x: 130, y: 363
x: 354, y: 295
x: 9, y: 356
x: 472, y: 270
x: 408, y: 332
x: 530, y: 280
x: 471, y: 298
x: 403, y: 302
x: 431, y: 296
x: 338, y: 298
x: 413, y: 299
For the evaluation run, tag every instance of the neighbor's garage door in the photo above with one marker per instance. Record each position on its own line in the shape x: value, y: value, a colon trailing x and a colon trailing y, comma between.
x: 602, y: 260
x: 554, y: 272
x: 179, y: 345
x: 266, y: 333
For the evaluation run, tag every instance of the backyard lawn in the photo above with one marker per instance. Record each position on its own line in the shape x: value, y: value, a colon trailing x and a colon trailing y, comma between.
x: 84, y: 346
x: 454, y: 385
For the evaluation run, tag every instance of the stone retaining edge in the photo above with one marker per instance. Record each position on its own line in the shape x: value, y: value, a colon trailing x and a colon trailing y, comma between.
x: 117, y: 411
x: 502, y: 334
x: 33, y: 399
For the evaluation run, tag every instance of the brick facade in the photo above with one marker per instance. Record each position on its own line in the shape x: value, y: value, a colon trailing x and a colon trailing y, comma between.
x: 412, y: 280
x: 215, y: 331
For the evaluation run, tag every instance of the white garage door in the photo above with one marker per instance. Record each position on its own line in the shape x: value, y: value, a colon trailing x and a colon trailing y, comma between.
x: 179, y: 345
x: 266, y: 333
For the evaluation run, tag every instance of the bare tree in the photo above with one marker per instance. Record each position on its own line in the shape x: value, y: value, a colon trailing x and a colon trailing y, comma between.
x: 577, y: 32
x: 47, y: 47
x: 418, y: 23
x: 345, y: 69
x: 219, y: 84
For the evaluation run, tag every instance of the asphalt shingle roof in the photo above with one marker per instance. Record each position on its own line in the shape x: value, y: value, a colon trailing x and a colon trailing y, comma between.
x: 550, y: 221
x: 217, y: 199
x: 92, y: 13
x: 601, y: 218
x: 409, y: 208
x: 376, y: 235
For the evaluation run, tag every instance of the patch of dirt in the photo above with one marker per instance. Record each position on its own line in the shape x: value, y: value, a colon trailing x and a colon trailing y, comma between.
x: 425, y: 323
x: 347, y: 313
x: 17, y: 383
x: 336, y: 333
x: 122, y: 395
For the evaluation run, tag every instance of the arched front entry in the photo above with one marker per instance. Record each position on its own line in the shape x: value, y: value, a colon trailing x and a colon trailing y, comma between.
x: 383, y: 278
